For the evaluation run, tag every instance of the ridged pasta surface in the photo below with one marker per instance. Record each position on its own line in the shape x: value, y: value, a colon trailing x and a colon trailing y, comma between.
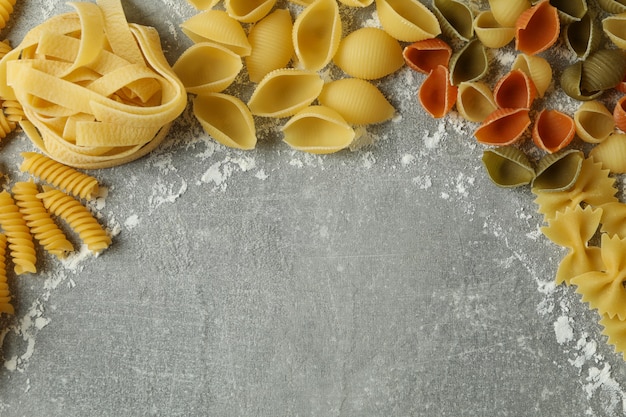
x: 39, y: 221
x: 77, y: 216
x: 19, y: 238
x: 6, y: 9
x: 5, y: 293
x: 61, y: 176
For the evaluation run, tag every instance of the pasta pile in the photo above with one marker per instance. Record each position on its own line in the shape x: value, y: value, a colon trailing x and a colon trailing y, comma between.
x: 283, y: 58
x: 94, y: 90
x: 573, y: 181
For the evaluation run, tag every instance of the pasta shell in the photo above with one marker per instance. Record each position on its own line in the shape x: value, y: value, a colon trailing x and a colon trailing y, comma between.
x: 613, y: 27
x: 603, y: 69
x: 407, y: 20
x: 619, y: 113
x: 217, y: 26
x: 491, y: 33
x: 594, y: 122
x: 436, y: 94
x: 611, y: 153
x: 553, y: 130
x: 272, y: 47
x: 357, y: 3
x: 537, y: 68
x: 503, y: 127
x: 613, y: 6
x: 570, y: 10
x: 357, y: 101
x: 558, y: 171
x: 506, y: 12
x: 317, y: 33
x: 455, y: 19
x: 302, y: 2
x: 203, y: 4
x: 319, y: 130
x: 537, y: 28
x: 207, y: 67
x: 475, y: 101
x: 424, y: 56
x: 508, y: 166
x: 514, y: 90
x: 227, y: 119
x: 369, y: 53
x: 248, y: 11
x: 470, y: 63
x: 284, y: 92
x: 571, y: 79
x: 582, y: 37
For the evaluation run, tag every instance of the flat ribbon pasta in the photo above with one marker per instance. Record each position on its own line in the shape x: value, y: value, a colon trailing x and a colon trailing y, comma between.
x: 96, y: 91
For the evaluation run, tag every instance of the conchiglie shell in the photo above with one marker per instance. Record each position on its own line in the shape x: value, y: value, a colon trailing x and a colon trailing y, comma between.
x: 319, y: 130
x: 619, y: 113
x: 475, y: 101
x: 537, y: 68
x: 506, y: 12
x: 537, y: 28
x: 455, y: 19
x: 570, y: 10
x: 227, y: 119
x: 503, y: 127
x: 369, y: 53
x: 272, y: 47
x: 316, y: 34
x: 284, y: 92
x: 603, y: 69
x: 582, y: 37
x: 613, y: 6
x: 358, y: 101
x: 514, y: 90
x: 470, y: 63
x: 615, y: 29
x: 302, y: 2
x: 217, y: 26
x: 203, y: 4
x: 407, y: 20
x: 508, y: 166
x: 207, y: 67
x: 571, y: 79
x: 425, y: 55
x: 490, y: 32
x: 436, y: 94
x: 594, y: 122
x: 357, y: 3
x: 248, y: 11
x: 558, y: 171
x: 553, y: 130
x: 611, y: 153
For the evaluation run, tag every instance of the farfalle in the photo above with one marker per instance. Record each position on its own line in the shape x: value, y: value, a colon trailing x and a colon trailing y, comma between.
x: 572, y: 229
x: 615, y: 330
x: 593, y: 187
x: 614, y: 219
x: 604, y: 290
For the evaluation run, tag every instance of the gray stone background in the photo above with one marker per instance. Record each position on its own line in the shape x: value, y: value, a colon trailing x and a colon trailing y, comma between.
x: 391, y: 280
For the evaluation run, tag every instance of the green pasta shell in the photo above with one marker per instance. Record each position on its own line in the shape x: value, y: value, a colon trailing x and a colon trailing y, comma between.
x: 470, y: 63
x: 603, y: 69
x: 582, y: 37
x: 613, y: 6
x: 558, y: 171
x: 455, y: 18
x: 571, y: 79
x: 508, y: 166
x: 570, y: 10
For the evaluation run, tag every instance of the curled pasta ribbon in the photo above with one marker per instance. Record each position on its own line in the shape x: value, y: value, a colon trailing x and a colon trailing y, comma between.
x: 5, y: 292
x: 95, y: 90
x: 18, y: 235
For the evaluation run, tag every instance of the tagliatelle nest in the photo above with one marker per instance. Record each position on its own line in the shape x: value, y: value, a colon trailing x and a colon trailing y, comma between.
x: 96, y: 91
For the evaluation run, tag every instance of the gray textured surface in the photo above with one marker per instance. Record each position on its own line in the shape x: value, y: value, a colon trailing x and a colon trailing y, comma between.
x: 394, y: 280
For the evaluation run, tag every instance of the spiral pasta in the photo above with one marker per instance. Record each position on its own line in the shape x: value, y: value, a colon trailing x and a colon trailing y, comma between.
x: 68, y: 179
x: 18, y: 235
x: 77, y: 216
x: 5, y: 292
x: 38, y: 220
x: 6, y: 9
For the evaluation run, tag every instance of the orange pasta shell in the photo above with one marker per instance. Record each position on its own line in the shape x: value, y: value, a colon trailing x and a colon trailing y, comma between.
x: 553, y: 130
x: 537, y: 28
x: 437, y: 95
x: 503, y: 127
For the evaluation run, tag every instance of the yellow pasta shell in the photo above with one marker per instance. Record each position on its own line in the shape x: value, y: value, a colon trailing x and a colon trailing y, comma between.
x: 319, y: 130
x: 491, y: 33
x: 506, y: 12
x: 594, y: 122
x: 475, y: 101
x: 284, y: 92
x: 357, y: 3
x: 248, y: 11
x: 407, y: 20
x: 207, y: 67
x: 227, y: 119
x: 217, y: 26
x: 316, y: 34
x: 203, y: 4
x: 357, y: 101
x: 611, y: 153
x: 537, y: 68
x: 369, y: 53
x: 271, y: 43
